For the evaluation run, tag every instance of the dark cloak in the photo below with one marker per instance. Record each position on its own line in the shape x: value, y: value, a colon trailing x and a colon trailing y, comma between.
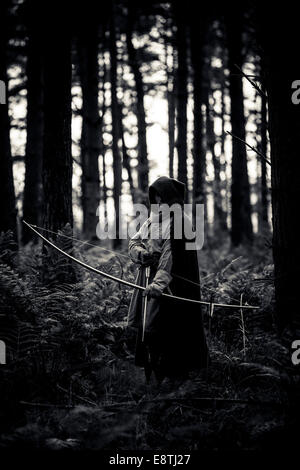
x: 175, y: 340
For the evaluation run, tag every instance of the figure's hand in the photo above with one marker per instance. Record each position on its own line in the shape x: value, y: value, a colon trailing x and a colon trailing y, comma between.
x: 147, y: 259
x: 152, y: 291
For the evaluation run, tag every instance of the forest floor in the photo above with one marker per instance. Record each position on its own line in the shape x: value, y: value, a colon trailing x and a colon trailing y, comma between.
x: 71, y: 383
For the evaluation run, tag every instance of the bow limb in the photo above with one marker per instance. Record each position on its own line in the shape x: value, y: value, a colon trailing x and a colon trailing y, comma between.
x: 82, y: 263
x: 122, y: 281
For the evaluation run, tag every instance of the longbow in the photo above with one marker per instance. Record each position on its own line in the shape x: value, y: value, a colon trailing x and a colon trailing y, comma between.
x: 123, y: 281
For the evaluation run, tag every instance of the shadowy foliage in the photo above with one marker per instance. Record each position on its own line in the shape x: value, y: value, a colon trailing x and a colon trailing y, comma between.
x: 70, y: 380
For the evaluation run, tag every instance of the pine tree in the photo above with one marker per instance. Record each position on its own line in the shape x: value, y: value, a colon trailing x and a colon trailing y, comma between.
x: 241, y: 230
x: 7, y: 193
x: 32, y: 198
x: 182, y: 95
x: 116, y: 131
x: 143, y: 168
x: 91, y: 123
x: 57, y: 163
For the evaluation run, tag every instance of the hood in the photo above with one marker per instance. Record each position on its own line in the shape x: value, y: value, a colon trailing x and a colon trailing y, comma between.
x: 169, y: 189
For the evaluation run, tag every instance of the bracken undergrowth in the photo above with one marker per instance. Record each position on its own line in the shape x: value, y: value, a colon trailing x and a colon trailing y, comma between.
x: 70, y: 381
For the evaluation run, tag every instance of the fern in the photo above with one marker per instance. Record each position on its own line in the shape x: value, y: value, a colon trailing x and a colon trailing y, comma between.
x: 15, y: 294
x: 57, y: 267
x: 21, y: 340
x: 8, y: 248
x: 73, y: 352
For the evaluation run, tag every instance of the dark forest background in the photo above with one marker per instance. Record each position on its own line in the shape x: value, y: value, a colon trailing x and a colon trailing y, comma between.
x: 78, y: 132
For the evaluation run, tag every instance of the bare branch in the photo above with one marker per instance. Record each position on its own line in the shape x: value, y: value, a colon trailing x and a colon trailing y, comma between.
x: 250, y: 146
x: 259, y: 91
x: 199, y: 400
x: 45, y: 405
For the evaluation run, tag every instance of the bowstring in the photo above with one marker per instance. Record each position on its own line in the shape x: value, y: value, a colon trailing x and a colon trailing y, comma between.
x: 84, y: 242
x: 209, y: 304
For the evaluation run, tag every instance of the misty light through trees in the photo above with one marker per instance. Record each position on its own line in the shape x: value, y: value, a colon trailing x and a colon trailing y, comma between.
x: 157, y: 126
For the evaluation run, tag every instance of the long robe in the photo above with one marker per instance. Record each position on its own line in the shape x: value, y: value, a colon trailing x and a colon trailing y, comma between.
x: 174, y: 341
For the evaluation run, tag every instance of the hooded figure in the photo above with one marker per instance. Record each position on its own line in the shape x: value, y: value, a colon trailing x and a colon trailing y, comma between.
x: 174, y: 340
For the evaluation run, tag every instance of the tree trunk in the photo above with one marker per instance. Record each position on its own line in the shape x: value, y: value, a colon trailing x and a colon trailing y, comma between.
x: 241, y: 230
x: 7, y: 192
x: 57, y: 162
x: 57, y: 157
x: 263, y: 149
x: 171, y: 98
x: 281, y: 70
x: 103, y: 146
x: 223, y: 113
x: 32, y: 198
x: 225, y: 184
x: 143, y: 167
x: 126, y: 156
x: 91, y: 128
x: 182, y: 95
x: 116, y: 132
x: 199, y: 164
x: 219, y: 214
